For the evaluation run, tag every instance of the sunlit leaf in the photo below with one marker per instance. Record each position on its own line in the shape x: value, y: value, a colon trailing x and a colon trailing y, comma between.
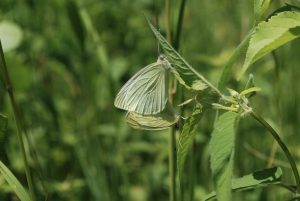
x: 14, y: 183
x: 186, y: 137
x: 256, y: 179
x: 10, y: 35
x: 222, y: 152
x: 270, y: 35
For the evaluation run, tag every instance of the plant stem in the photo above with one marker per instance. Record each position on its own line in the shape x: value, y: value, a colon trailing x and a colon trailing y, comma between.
x: 226, y: 73
x: 172, y: 164
x: 9, y: 88
x: 172, y: 138
x: 179, y: 25
x: 282, y: 146
x: 168, y: 20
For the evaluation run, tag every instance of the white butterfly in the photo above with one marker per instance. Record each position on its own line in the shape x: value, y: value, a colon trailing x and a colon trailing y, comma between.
x: 163, y: 120
x: 146, y: 92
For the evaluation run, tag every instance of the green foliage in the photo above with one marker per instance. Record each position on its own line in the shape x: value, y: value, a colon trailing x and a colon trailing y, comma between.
x: 76, y: 22
x: 7, y: 174
x: 186, y: 138
x: 270, y: 35
x: 184, y: 72
x: 258, y: 179
x: 14, y: 183
x: 222, y: 154
x: 73, y: 58
x: 260, y: 7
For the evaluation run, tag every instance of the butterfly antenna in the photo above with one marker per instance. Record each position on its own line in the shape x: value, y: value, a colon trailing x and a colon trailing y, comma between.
x: 158, y: 45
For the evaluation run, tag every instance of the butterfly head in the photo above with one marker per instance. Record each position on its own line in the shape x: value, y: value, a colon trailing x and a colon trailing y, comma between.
x: 164, y: 60
x: 162, y: 57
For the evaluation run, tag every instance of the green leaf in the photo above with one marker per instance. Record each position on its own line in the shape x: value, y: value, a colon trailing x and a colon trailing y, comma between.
x: 270, y: 35
x: 207, y: 97
x: 10, y: 34
x: 256, y: 179
x: 184, y: 72
x: 250, y: 91
x: 186, y: 137
x: 221, y: 147
x: 14, y: 183
x: 286, y: 7
x: 260, y: 7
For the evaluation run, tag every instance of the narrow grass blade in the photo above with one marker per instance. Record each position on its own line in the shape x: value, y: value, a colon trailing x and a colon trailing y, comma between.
x: 14, y: 183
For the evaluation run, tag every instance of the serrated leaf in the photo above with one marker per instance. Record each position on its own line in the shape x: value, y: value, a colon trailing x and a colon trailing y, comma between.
x: 186, y: 138
x: 10, y: 34
x: 270, y: 35
x: 286, y: 7
x: 221, y: 147
x: 256, y: 179
x: 14, y: 183
x: 260, y: 7
x: 182, y: 70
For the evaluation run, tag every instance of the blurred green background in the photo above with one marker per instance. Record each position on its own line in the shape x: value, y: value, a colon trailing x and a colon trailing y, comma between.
x: 67, y: 60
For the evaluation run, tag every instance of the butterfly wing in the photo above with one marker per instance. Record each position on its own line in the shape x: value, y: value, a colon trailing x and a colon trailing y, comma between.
x: 145, y: 92
x: 160, y: 121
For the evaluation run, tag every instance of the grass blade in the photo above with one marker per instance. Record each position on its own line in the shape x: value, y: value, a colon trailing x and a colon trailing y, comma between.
x: 14, y: 183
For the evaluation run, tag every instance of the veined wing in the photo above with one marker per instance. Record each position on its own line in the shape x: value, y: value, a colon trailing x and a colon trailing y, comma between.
x: 160, y: 121
x: 145, y: 92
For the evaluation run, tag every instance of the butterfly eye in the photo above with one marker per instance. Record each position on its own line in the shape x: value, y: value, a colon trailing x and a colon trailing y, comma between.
x: 162, y: 57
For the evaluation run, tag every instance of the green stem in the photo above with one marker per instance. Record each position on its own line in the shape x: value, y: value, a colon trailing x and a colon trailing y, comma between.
x: 172, y: 138
x: 179, y: 25
x: 168, y: 20
x: 226, y: 73
x: 9, y: 89
x: 172, y: 164
x: 282, y: 145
